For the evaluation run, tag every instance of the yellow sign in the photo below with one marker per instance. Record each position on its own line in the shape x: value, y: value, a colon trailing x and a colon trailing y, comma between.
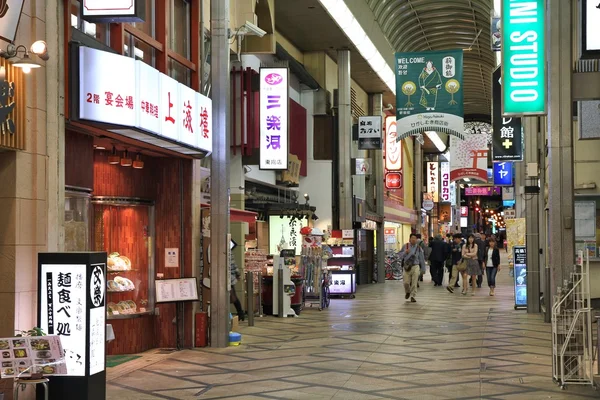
x: 515, y: 235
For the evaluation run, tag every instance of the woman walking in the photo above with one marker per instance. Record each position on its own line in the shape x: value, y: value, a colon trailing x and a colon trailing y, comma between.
x: 492, y: 264
x: 469, y: 253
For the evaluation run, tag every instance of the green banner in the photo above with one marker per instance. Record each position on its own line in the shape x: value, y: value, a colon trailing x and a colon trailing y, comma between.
x: 429, y: 93
x: 523, y: 58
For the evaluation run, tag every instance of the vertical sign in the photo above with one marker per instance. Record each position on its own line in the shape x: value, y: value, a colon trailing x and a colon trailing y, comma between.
x: 274, y: 104
x: 97, y: 322
x: 453, y: 194
x: 523, y: 57
x: 433, y: 181
x: 393, y: 148
x: 445, y: 194
x: 520, y: 272
x: 507, y: 139
x: 590, y: 28
x: 503, y: 173
x: 369, y: 133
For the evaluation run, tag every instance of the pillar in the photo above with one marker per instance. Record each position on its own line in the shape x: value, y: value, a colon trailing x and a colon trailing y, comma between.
x: 532, y: 215
x: 344, y: 139
x: 560, y: 141
x: 219, y: 211
x: 378, y: 176
x: 418, y: 167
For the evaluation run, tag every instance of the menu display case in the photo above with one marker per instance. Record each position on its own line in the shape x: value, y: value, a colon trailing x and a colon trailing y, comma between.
x: 124, y: 228
x: 77, y: 219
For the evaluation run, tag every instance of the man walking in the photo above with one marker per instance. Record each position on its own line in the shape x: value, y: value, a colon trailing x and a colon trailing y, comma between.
x: 414, y: 259
x: 439, y: 252
x: 456, y: 258
x: 479, y: 240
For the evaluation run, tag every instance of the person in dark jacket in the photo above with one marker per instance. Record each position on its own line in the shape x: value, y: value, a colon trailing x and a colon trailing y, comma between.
x: 492, y: 264
x: 481, y: 244
x: 439, y: 252
x: 456, y: 259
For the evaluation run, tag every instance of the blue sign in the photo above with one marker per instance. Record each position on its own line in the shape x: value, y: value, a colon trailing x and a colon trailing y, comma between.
x: 503, y: 173
x: 520, y: 273
x: 508, y: 203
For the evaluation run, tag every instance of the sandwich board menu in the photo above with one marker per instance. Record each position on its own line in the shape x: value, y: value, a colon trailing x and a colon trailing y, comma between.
x: 172, y: 290
x: 24, y: 356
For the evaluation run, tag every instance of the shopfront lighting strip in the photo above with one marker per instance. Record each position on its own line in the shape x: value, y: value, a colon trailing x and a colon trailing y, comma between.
x: 435, y: 139
x: 341, y: 14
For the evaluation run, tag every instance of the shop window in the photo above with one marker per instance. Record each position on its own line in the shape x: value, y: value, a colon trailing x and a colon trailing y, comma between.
x: 141, y: 51
x: 148, y: 26
x: 98, y: 31
x: 179, y: 23
x: 587, y: 225
x: 179, y: 72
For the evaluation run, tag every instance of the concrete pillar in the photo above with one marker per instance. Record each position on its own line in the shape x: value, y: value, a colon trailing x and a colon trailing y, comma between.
x: 378, y: 176
x: 519, y: 187
x: 418, y: 166
x: 560, y: 141
x: 219, y: 211
x: 344, y: 138
x: 532, y: 216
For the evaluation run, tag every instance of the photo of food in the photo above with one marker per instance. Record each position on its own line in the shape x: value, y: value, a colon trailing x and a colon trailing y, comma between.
x: 20, y: 353
x: 6, y: 354
x: 4, y: 344
x: 6, y: 364
x: 8, y: 372
x: 44, y: 354
x: 40, y: 344
x: 47, y: 369
x: 19, y: 343
x: 23, y: 370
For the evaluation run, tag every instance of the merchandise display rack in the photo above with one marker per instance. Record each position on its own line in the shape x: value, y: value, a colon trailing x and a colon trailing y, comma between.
x: 316, y: 277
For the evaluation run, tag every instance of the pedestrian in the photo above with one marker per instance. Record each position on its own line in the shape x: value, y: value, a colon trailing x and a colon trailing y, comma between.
x: 425, y: 255
x: 233, y: 299
x: 414, y: 259
x: 470, y: 253
x: 481, y: 245
x: 492, y: 264
x: 456, y: 260
x: 439, y: 252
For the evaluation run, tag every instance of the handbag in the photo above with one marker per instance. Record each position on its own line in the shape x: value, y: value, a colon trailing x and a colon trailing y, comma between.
x: 462, y: 265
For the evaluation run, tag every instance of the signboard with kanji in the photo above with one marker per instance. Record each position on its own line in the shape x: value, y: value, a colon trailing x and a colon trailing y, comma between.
x: 445, y: 194
x: 433, y: 181
x: 274, y: 118
x: 507, y: 139
x: 369, y: 133
x: 503, y: 173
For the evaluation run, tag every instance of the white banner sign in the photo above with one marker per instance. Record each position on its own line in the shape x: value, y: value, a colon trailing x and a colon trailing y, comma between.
x: 469, y: 157
x: 115, y: 90
x: 274, y: 115
x: 433, y: 181
x: 445, y: 195
x: 369, y: 133
x: 393, y: 149
x: 108, y: 7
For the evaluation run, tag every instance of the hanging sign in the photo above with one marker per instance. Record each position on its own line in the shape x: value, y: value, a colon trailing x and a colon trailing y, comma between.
x: 114, y: 89
x: 274, y: 115
x: 369, y: 133
x: 362, y: 166
x: 453, y: 193
x: 469, y: 157
x: 590, y: 27
x: 429, y: 93
x: 495, y: 34
x: 393, y: 180
x: 113, y: 10
x: 464, y: 211
x: 503, y: 173
x: 445, y: 196
x: 393, y: 149
x: 523, y: 57
x: 508, y: 193
x: 10, y: 14
x: 507, y: 138
x: 433, y: 181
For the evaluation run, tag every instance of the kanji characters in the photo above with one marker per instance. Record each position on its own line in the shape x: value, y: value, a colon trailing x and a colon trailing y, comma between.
x: 204, y: 122
x: 274, y: 142
x: 169, y: 118
x: 187, y: 119
x: 274, y: 123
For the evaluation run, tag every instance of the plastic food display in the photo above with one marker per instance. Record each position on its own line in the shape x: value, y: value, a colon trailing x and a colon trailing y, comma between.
x: 117, y: 262
x: 120, y: 284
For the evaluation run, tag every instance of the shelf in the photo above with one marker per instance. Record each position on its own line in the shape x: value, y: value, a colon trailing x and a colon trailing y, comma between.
x: 128, y: 316
x: 120, y: 291
x: 120, y: 272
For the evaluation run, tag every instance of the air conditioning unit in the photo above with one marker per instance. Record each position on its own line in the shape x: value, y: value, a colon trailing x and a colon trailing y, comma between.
x: 322, y: 102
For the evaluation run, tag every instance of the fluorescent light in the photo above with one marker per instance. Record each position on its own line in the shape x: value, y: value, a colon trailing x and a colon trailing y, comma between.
x: 343, y: 17
x: 435, y: 138
x: 467, y: 180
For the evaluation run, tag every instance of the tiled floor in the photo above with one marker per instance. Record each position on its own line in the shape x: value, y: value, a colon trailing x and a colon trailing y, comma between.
x: 377, y: 346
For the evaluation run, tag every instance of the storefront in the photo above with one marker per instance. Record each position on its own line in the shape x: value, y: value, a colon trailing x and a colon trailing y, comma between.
x: 130, y: 144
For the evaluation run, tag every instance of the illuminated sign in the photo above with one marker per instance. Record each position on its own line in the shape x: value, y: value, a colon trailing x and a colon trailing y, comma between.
x: 503, y: 173
x: 274, y: 105
x: 369, y: 133
x: 433, y: 181
x: 507, y: 139
x: 523, y: 57
x: 393, y: 148
x: 464, y: 211
x: 445, y: 195
x: 393, y: 180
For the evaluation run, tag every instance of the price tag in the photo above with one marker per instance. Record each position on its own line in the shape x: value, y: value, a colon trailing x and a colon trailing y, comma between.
x: 142, y: 310
x: 115, y: 313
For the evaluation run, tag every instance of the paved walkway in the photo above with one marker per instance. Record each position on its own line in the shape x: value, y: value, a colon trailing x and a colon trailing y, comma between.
x: 377, y: 346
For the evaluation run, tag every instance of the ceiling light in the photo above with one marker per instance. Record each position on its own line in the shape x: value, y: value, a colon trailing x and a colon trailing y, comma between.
x: 138, y: 163
x: 99, y: 147
x: 126, y: 161
x: 435, y: 139
x: 114, y: 159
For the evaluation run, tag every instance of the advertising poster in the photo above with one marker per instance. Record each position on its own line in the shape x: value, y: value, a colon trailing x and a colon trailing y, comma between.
x: 496, y: 35
x: 23, y: 356
x: 284, y: 233
x: 520, y: 265
x: 469, y: 157
x: 445, y: 214
x: 429, y: 93
x: 507, y: 135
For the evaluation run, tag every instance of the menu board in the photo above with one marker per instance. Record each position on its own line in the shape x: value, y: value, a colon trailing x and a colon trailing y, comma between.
x: 585, y: 221
x: 171, y: 290
x: 24, y: 356
x: 520, y: 263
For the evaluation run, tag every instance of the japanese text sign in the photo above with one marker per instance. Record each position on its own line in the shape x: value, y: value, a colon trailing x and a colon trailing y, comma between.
x: 429, y: 92
x: 445, y: 196
x: 113, y: 10
x: 482, y: 191
x: 393, y: 148
x: 433, y: 181
x: 114, y: 89
x: 274, y: 118
x: 10, y: 14
x: 507, y: 139
x: 590, y: 29
x: 523, y: 57
x: 503, y: 173
x: 369, y: 133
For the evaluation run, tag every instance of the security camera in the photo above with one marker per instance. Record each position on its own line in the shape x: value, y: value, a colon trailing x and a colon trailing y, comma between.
x: 249, y: 29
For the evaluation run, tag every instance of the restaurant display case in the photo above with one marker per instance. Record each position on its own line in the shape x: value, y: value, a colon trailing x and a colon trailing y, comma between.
x: 77, y: 219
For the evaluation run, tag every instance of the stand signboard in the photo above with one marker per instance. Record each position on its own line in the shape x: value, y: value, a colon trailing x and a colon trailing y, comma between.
x: 520, y: 272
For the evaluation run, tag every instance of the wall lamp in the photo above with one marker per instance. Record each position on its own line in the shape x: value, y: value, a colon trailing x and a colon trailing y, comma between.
x: 26, y: 63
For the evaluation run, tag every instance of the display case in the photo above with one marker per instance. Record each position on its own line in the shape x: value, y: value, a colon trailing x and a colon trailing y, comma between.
x: 124, y: 228
x: 77, y: 219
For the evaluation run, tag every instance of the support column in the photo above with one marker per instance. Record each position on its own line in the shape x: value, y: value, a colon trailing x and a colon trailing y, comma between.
x: 560, y: 141
x: 344, y: 138
x: 532, y: 216
x: 418, y: 167
x: 219, y: 173
x: 519, y: 188
x: 378, y: 175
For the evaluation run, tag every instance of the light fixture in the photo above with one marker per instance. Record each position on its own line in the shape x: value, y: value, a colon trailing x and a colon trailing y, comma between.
x: 435, y: 139
x: 125, y: 160
x: 138, y: 163
x: 40, y: 48
x: 99, y: 147
x: 114, y: 159
x: 25, y: 63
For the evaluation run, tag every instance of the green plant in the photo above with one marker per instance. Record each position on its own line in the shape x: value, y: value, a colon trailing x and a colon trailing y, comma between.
x: 32, y: 332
